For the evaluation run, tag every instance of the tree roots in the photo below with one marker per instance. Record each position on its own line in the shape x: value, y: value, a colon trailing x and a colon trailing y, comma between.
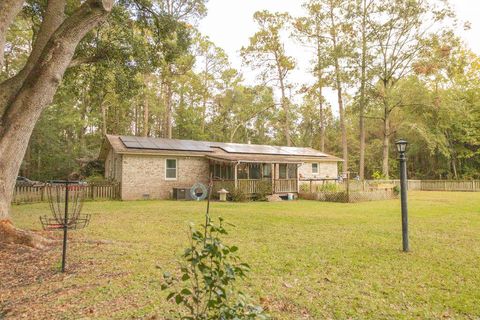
x: 13, y: 235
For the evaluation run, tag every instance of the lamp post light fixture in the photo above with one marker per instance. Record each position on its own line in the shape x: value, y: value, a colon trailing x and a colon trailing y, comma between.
x: 402, y: 158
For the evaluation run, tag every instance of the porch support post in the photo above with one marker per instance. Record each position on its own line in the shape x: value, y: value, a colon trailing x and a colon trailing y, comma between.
x: 298, y: 178
x: 272, y: 174
x: 235, y: 175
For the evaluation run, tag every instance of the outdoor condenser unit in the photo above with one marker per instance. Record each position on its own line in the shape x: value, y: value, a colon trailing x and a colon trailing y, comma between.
x: 181, y: 194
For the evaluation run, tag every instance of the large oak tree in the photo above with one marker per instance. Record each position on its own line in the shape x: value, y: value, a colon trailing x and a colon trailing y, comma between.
x: 25, y: 95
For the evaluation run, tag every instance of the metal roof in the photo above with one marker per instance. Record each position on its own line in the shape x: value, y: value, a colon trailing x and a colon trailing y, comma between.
x: 164, y: 144
x: 205, y: 146
x: 220, y: 150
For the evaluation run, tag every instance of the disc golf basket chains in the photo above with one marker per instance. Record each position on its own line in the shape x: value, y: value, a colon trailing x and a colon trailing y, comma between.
x: 66, y: 202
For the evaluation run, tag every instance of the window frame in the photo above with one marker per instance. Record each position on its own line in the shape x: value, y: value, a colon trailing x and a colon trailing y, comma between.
x: 176, y: 169
x: 317, y: 167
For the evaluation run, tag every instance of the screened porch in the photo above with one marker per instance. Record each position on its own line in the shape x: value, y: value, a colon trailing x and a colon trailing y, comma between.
x: 282, y: 178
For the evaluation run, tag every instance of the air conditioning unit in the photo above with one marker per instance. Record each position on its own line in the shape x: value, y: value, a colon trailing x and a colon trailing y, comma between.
x: 181, y: 194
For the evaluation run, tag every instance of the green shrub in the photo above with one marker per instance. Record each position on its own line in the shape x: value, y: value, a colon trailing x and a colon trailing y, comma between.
x: 396, y: 190
x: 305, y: 187
x: 95, y: 178
x: 377, y: 175
x: 328, y: 187
x: 205, y: 288
x: 264, y: 188
x: 237, y: 195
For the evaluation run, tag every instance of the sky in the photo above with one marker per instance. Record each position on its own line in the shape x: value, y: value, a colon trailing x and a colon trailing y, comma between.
x: 229, y: 24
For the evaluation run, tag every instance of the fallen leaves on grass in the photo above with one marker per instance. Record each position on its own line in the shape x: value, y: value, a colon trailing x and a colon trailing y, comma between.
x: 31, y: 282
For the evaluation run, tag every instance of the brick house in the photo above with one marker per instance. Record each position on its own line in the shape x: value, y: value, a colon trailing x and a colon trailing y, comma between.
x: 152, y: 167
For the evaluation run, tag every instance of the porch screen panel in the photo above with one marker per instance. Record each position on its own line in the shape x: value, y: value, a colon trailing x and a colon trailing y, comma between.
x: 292, y: 171
x: 267, y: 170
x: 229, y: 172
x: 254, y: 171
x: 217, y: 173
x: 242, y: 172
x: 282, y: 171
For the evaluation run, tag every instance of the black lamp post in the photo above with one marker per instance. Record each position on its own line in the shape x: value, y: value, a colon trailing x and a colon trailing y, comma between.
x: 402, y: 148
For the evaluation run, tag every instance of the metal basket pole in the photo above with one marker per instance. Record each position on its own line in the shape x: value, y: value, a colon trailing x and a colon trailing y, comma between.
x: 65, y: 228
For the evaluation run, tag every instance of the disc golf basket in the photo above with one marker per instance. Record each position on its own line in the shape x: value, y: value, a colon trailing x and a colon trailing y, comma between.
x: 66, y: 202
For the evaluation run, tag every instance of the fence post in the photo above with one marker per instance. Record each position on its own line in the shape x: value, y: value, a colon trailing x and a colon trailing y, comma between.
x: 348, y: 187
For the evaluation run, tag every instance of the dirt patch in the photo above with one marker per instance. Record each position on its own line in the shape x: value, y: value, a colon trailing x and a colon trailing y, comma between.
x: 31, y: 281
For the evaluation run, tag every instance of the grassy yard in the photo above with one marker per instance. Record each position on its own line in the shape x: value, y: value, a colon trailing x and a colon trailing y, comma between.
x: 310, y: 260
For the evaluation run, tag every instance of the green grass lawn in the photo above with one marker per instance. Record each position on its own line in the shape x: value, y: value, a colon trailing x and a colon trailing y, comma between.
x: 310, y: 260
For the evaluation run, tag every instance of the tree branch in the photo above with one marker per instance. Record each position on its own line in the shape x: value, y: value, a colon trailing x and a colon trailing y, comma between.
x: 8, y: 11
x: 52, y: 19
x: 85, y: 60
x: 40, y: 84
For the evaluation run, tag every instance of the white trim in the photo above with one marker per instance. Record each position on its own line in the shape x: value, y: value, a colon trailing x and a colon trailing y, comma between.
x: 176, y: 169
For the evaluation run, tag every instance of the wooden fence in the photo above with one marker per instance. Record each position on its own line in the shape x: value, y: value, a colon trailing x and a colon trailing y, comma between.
x: 435, y: 185
x: 250, y: 186
x: 94, y: 191
x: 373, y: 185
x: 349, y: 196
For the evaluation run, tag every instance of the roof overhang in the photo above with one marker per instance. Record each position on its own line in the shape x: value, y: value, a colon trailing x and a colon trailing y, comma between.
x: 253, y: 159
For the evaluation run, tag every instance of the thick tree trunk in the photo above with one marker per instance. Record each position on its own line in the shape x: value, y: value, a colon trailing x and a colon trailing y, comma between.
x: 319, y: 39
x: 103, y: 108
x: 363, y: 80
x: 322, y: 113
x: 342, y: 126
x: 146, y: 117
x: 169, y: 111
x: 284, y: 101
x: 385, y: 145
x: 338, y: 87
x: 286, y: 124
x: 37, y: 91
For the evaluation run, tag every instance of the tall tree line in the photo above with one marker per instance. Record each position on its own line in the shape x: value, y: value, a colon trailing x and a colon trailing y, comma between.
x: 396, y: 68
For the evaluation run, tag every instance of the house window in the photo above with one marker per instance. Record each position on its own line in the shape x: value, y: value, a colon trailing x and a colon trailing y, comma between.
x: 282, y: 171
x: 314, y: 167
x: 171, y: 169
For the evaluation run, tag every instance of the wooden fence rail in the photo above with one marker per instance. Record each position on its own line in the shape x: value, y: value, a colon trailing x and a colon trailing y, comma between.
x: 366, y: 185
x: 436, y: 185
x: 94, y: 191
